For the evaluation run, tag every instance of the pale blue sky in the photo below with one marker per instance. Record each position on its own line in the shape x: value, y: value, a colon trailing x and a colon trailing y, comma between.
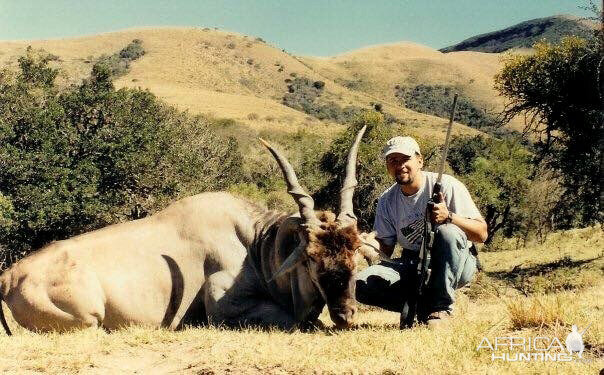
x: 309, y: 27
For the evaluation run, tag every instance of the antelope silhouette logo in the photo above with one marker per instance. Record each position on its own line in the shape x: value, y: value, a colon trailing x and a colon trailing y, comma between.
x: 574, y: 341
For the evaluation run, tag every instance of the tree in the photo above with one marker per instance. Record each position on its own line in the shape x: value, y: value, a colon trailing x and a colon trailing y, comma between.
x: 79, y: 159
x: 496, y: 172
x: 559, y: 91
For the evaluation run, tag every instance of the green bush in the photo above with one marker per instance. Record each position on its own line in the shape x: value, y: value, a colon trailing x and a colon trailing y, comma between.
x: 77, y: 160
x: 497, y: 173
x: 118, y: 64
x: 133, y: 51
x: 115, y: 64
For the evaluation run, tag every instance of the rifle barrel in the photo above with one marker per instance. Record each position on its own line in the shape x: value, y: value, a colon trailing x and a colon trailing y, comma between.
x: 441, y: 167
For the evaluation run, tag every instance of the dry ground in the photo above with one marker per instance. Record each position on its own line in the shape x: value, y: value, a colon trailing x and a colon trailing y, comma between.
x: 540, y: 290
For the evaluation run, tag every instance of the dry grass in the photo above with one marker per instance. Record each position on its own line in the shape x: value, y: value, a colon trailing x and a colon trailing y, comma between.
x: 537, y: 312
x: 376, y: 346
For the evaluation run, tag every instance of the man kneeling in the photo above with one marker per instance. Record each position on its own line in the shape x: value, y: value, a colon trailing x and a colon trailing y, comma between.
x: 400, y: 218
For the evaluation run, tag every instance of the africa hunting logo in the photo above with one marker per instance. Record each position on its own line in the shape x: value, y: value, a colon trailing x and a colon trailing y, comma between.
x: 540, y: 348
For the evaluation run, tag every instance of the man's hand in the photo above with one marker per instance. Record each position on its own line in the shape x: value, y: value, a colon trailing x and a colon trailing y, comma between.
x: 440, y: 212
x: 475, y: 229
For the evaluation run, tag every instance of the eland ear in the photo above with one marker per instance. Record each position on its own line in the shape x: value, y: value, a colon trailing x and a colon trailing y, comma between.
x: 291, y: 262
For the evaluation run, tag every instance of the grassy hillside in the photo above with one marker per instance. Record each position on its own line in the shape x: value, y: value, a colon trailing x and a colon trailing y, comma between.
x: 525, y: 34
x: 233, y: 76
x: 540, y: 290
x: 382, y: 71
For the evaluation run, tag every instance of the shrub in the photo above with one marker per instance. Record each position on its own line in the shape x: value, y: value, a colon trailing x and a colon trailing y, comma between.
x: 497, y: 173
x: 116, y: 65
x: 133, y: 51
x: 559, y: 91
x: 77, y: 160
x: 318, y: 85
x: 436, y: 100
x: 119, y: 63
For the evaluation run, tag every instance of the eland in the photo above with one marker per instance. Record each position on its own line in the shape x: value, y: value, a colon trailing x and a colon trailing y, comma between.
x: 211, y: 258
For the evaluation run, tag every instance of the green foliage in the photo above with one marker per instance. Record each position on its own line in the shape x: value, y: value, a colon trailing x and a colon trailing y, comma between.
x: 464, y: 151
x: 133, y: 51
x: 118, y: 64
x: 436, y: 100
x: 90, y: 156
x: 35, y: 69
x: 496, y: 172
x: 262, y: 180
x: 559, y: 90
x: 302, y: 149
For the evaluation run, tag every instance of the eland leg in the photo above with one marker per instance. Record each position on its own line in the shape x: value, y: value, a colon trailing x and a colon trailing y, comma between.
x: 266, y: 314
x: 58, y: 304
x: 238, y: 306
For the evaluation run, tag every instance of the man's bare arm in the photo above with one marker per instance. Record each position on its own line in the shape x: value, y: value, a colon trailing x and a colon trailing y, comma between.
x: 373, y: 249
x: 475, y: 229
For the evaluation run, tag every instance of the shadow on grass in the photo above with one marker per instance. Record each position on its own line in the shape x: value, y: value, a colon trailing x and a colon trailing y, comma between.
x: 563, y: 274
x: 329, y: 331
x: 565, y: 263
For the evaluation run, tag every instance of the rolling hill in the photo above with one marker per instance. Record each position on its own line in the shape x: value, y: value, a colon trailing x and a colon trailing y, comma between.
x: 381, y: 71
x: 229, y: 75
x: 240, y: 77
x: 525, y: 34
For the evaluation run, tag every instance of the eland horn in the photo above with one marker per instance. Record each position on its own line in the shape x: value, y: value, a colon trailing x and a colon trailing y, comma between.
x: 303, y: 200
x: 346, y: 215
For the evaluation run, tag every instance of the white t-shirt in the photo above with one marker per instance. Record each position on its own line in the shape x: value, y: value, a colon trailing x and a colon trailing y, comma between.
x: 400, y: 218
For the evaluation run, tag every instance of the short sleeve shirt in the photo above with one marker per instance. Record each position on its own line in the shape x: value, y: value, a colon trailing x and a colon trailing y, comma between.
x: 399, y: 218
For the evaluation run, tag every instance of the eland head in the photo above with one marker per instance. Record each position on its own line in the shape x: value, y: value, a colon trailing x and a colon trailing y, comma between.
x: 328, y: 244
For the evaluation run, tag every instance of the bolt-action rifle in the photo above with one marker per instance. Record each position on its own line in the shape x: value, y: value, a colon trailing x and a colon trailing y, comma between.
x: 421, y: 278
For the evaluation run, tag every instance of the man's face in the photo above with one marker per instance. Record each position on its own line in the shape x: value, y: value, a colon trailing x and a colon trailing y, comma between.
x: 404, y: 168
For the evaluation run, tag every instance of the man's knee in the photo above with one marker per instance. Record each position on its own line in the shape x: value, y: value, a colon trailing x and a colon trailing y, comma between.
x: 377, y: 285
x: 378, y: 274
x: 449, y: 236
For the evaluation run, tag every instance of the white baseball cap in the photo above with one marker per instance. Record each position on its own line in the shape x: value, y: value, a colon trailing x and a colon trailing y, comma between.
x: 402, y: 145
